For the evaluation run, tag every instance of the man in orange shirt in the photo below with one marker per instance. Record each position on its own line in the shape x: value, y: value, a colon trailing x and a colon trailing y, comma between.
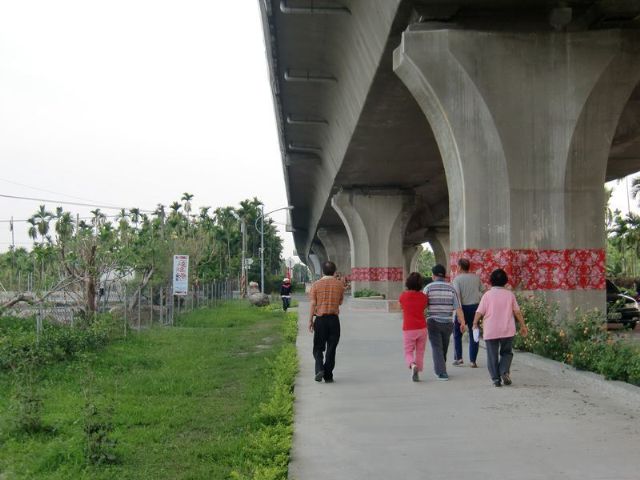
x: 326, y: 296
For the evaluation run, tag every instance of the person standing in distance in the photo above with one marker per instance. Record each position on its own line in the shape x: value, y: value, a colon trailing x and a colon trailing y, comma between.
x: 285, y: 293
x: 442, y: 302
x: 326, y: 296
x: 469, y: 290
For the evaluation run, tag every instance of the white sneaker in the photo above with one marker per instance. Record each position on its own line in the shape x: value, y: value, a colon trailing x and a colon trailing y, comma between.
x: 414, y: 373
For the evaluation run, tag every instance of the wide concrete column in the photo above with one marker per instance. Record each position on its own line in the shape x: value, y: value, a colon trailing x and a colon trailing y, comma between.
x: 375, y: 222
x: 336, y: 244
x: 524, y: 123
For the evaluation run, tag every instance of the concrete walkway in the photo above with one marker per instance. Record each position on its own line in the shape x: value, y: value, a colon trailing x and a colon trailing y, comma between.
x: 375, y: 423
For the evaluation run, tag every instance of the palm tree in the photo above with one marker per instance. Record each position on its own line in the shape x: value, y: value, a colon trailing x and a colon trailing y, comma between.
x: 64, y: 226
x: 41, y: 220
x: 135, y: 216
x: 186, y: 198
x: 33, y: 230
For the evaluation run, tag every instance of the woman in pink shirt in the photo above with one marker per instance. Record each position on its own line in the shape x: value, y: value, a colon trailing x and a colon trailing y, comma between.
x: 414, y: 326
x: 497, y: 310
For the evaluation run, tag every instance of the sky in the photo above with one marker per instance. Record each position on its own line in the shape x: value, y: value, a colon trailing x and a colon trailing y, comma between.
x: 131, y: 103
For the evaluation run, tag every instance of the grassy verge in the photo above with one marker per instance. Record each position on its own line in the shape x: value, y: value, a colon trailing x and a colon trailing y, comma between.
x: 208, y: 399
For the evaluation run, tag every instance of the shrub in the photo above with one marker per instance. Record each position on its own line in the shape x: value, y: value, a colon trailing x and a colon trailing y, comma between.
x: 545, y: 337
x: 366, y: 292
x: 583, y: 341
x: 18, y: 341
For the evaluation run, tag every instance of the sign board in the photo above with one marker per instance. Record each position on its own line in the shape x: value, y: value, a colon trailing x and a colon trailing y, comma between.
x: 180, y: 275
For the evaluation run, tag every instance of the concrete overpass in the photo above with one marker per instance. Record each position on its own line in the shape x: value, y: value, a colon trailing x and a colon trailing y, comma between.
x: 485, y: 127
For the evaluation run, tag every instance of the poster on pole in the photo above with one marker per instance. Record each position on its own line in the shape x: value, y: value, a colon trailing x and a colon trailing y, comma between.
x: 180, y: 275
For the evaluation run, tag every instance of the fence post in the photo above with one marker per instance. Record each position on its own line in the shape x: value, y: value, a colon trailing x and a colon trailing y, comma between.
x: 126, y: 307
x: 139, y: 302
x: 161, y: 308
x: 151, y: 307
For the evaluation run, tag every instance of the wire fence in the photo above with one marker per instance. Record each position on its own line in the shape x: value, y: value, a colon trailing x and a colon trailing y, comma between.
x: 138, y: 308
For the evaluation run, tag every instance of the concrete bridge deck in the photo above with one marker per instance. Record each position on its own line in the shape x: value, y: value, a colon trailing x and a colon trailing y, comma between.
x: 374, y: 423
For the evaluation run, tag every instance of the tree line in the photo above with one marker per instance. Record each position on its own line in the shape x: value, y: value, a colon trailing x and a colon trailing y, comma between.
x: 137, y: 246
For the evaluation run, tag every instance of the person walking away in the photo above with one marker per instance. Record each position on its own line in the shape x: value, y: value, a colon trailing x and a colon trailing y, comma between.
x: 285, y: 293
x: 469, y: 290
x: 326, y: 296
x: 414, y: 326
x: 497, y: 309
x: 442, y: 302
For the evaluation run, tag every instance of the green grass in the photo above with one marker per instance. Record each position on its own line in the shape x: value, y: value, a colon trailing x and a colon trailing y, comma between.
x: 188, y: 402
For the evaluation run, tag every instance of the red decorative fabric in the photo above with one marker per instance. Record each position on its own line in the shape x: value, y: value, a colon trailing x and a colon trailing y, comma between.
x: 530, y: 269
x: 376, y: 274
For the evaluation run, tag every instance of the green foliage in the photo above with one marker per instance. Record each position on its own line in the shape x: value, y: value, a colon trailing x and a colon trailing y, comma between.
x: 27, y: 404
x: 268, y: 448
x: 99, y: 444
x: 196, y: 401
x: 19, y: 343
x: 426, y: 261
x: 583, y: 342
x: 366, y: 292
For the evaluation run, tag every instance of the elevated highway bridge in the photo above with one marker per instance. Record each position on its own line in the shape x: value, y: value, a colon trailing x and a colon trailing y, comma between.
x: 484, y: 127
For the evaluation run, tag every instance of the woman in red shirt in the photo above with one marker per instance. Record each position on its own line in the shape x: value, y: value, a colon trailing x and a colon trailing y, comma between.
x: 414, y: 326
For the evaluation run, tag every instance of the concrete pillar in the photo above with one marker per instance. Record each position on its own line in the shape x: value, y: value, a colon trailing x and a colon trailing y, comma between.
x: 315, y: 266
x: 336, y: 244
x: 439, y: 242
x: 411, y: 254
x: 375, y: 222
x: 524, y: 122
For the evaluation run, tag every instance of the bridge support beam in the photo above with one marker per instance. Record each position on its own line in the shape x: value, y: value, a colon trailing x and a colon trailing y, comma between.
x: 375, y: 223
x: 411, y: 254
x: 524, y: 123
x: 336, y: 244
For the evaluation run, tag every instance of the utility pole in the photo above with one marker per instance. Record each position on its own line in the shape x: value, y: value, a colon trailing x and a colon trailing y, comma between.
x: 262, y: 248
x: 243, y: 276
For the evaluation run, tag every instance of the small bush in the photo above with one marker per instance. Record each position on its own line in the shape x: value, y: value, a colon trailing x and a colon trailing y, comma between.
x: 366, y: 292
x: 582, y: 341
x: 18, y: 341
x: 99, y: 445
x: 27, y: 404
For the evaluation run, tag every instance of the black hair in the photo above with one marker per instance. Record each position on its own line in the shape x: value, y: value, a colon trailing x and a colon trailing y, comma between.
x: 498, y: 278
x: 439, y: 270
x: 464, y: 264
x: 328, y: 268
x: 414, y: 282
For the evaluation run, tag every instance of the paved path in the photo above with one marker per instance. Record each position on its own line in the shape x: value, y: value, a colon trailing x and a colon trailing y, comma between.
x: 374, y: 423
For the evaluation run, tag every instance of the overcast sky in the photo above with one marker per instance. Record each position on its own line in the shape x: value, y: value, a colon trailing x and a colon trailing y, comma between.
x: 131, y: 103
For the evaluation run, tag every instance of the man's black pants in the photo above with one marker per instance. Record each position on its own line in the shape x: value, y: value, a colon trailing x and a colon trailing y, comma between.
x: 326, y: 336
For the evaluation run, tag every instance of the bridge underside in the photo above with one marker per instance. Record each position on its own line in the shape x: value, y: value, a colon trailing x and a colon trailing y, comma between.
x: 483, y: 138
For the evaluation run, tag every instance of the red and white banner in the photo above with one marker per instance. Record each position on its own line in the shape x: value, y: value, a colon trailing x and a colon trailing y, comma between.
x: 180, y: 274
x: 376, y: 274
x: 531, y: 269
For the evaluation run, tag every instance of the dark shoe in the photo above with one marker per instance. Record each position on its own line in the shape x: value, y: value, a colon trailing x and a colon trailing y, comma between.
x: 458, y: 363
x: 319, y: 376
x: 473, y: 365
x: 414, y: 373
x: 506, y: 379
x: 443, y: 377
x: 497, y: 383
x: 328, y: 380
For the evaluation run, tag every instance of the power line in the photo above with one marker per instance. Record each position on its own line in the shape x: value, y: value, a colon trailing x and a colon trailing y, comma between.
x: 44, y: 190
x: 78, y: 204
